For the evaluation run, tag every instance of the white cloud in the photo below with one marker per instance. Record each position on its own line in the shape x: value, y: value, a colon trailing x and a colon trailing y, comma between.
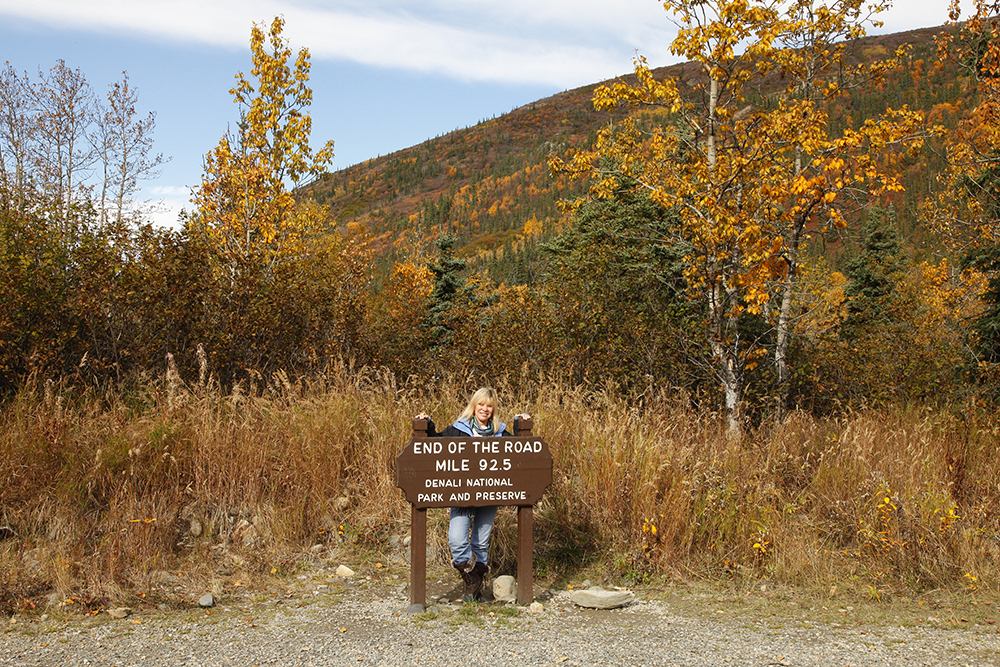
x: 377, y: 35
x: 910, y: 14
x: 179, y: 192
x: 162, y: 204
x: 560, y: 43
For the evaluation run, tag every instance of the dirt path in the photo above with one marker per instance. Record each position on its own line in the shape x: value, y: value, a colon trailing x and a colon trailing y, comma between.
x: 364, y: 623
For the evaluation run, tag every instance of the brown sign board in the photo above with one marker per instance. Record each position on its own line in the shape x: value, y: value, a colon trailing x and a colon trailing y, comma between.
x: 474, y: 471
x: 520, y: 470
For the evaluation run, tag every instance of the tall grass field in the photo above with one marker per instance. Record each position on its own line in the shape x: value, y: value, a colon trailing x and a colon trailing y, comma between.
x: 100, y: 490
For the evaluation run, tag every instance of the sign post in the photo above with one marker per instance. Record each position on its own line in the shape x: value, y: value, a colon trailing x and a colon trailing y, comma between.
x: 472, y: 472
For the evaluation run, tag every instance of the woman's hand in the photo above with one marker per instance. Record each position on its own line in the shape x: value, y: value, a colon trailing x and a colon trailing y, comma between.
x: 523, y: 415
x: 422, y: 415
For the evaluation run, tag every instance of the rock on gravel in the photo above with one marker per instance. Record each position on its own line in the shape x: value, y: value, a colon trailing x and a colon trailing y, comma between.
x: 344, y: 572
x: 536, y: 607
x: 504, y: 588
x: 598, y: 598
x: 207, y: 600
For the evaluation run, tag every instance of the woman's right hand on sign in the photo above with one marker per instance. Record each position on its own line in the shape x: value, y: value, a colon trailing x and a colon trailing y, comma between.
x: 422, y: 415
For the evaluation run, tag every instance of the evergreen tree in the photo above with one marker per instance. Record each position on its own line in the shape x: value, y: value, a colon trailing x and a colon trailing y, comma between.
x: 873, y: 274
x: 985, y: 256
x: 616, y: 290
x: 987, y: 327
x: 449, y: 287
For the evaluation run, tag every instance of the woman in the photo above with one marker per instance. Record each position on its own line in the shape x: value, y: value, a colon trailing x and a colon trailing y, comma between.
x: 469, y: 527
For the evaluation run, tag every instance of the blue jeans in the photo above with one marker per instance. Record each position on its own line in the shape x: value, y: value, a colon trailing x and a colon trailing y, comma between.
x: 478, y: 521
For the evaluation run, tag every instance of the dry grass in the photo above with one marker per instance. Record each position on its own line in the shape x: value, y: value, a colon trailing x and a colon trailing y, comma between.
x: 101, y: 491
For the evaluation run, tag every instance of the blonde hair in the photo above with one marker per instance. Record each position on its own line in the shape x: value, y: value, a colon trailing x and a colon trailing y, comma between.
x: 481, y: 395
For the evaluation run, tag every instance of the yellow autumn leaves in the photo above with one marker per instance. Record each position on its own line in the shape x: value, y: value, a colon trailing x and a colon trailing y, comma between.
x: 244, y: 204
x: 745, y: 156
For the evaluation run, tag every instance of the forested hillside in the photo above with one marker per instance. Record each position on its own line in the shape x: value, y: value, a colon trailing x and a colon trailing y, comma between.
x: 490, y: 185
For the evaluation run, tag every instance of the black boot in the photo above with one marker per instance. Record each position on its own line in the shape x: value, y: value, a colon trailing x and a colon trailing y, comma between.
x: 477, y: 576
x: 465, y: 569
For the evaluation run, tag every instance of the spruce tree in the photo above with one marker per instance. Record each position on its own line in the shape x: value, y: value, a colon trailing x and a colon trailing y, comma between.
x: 449, y: 287
x: 987, y: 327
x: 873, y: 274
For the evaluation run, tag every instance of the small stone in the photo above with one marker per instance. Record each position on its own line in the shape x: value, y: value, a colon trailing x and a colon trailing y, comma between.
x: 120, y: 612
x: 504, y: 588
x: 43, y: 618
x: 536, y: 607
x: 341, y: 503
x: 207, y: 600
x: 598, y: 598
x: 406, y: 541
x: 195, y: 528
x: 344, y: 572
x: 585, y: 583
x: 316, y: 548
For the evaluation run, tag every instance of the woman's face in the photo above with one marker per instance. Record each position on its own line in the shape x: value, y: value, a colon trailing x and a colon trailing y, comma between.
x: 484, y: 412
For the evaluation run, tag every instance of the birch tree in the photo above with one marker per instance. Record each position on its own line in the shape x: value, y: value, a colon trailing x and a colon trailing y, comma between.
x: 63, y: 152
x: 124, y: 140
x: 728, y: 167
x: 17, y: 129
x: 245, y: 204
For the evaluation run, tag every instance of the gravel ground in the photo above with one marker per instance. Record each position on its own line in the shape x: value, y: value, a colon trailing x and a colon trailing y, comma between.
x: 359, y: 625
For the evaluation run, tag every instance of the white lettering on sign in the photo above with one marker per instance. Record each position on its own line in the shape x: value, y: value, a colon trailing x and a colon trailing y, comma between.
x: 420, y: 447
x: 488, y: 481
x: 436, y: 483
x: 451, y: 465
x: 499, y: 496
x: 487, y: 446
x: 518, y: 447
x: 471, y: 471
x: 493, y: 465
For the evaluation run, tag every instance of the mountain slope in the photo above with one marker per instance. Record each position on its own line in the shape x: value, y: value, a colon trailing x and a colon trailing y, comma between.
x: 489, y: 183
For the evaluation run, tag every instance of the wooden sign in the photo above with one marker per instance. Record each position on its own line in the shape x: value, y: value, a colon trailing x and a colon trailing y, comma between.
x: 472, y: 472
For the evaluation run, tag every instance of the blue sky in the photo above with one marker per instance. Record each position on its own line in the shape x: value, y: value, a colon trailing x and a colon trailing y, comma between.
x: 387, y: 74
